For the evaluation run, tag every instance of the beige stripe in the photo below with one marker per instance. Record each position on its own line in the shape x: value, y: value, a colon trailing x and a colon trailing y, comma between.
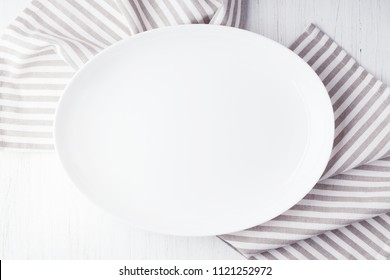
x: 24, y: 110
x: 206, y: 17
x: 318, y: 197
x: 348, y: 75
x: 80, y: 24
x: 335, y: 71
x: 347, y: 163
x: 324, y: 209
x: 287, y: 254
x: 32, y: 64
x: 319, y: 249
x: 347, y: 93
x: 361, y: 178
x: 27, y: 146
x: 108, y: 16
x: 375, y: 153
x: 279, y: 229
x: 375, y: 231
x: 173, y: 11
x: 311, y: 44
x: 382, y: 222
x: 353, y: 189
x: 365, y: 239
x: 75, y: 48
x: 269, y: 256
x: 358, y: 134
x: 303, y: 251
x: 351, y: 243
x: 18, y: 54
x: 159, y: 12
x: 258, y: 240
x: 241, y: 14
x: 26, y: 122
x: 19, y: 42
x: 91, y: 46
x: 32, y: 86
x: 43, y: 75
x: 374, y: 168
x: 46, y: 38
x: 320, y: 52
x: 227, y: 11
x: 211, y: 4
x: 343, y: 116
x: 113, y: 4
x: 147, y: 14
x: 33, y: 134
x: 138, y: 17
x: 234, y: 14
x: 328, y: 61
x: 301, y: 38
x: 187, y: 11
x: 335, y: 246
x: 29, y: 98
x: 134, y: 27
x: 318, y: 220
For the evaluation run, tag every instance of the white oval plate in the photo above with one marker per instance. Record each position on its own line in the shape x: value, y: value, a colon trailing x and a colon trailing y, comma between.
x: 195, y: 130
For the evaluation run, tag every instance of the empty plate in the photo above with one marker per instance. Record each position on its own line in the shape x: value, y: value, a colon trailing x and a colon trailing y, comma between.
x: 195, y: 130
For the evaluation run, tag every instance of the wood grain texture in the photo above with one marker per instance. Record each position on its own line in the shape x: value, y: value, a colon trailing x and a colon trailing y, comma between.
x: 43, y: 216
x: 361, y: 27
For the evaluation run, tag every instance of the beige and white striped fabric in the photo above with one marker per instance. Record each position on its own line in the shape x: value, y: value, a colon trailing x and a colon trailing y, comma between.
x: 42, y: 49
x: 346, y: 215
x: 343, y: 217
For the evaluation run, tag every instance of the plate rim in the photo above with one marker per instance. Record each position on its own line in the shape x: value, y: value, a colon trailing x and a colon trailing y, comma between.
x: 291, y: 202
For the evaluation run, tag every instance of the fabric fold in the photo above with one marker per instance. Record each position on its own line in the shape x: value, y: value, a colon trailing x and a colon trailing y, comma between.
x: 51, y: 39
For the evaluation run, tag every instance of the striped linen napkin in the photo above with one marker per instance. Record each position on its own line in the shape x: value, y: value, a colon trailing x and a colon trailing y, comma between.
x: 42, y: 49
x: 343, y: 217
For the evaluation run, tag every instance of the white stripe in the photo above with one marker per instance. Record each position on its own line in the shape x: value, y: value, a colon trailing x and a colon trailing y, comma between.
x: 167, y: 13
x: 332, y: 65
x: 61, y: 12
x: 296, y: 253
x: 180, y: 11
x: 328, y: 248
x: 359, y: 241
x: 348, y: 101
x: 190, y: 5
x: 110, y: 24
x: 153, y: 13
x: 329, y: 52
x: 306, y: 41
x: 316, y: 48
x: 348, y: 247
x: 341, y: 90
x: 89, y: 22
x: 358, y: 205
x: 312, y: 251
x: 275, y: 235
x: 339, y: 75
x: 64, y: 34
x: 370, y: 236
x: 352, y: 194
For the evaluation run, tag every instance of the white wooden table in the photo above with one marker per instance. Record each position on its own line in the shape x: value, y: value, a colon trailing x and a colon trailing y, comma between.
x: 43, y: 216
